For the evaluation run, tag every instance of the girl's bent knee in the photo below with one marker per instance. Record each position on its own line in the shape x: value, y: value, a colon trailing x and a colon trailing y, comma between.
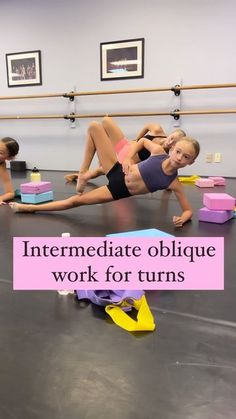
x: 94, y: 126
x: 107, y: 121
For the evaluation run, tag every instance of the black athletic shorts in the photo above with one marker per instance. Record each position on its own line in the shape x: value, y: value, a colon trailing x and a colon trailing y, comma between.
x: 116, y: 185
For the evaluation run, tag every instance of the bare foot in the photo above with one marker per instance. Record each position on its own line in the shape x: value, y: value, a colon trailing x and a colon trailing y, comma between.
x: 72, y: 177
x: 82, y: 181
x: 21, y: 207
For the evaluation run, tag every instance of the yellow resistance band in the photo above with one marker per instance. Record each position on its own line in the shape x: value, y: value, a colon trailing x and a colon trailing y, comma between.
x: 144, y: 322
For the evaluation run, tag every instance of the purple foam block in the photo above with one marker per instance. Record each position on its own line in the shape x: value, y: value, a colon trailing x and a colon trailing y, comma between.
x: 214, y: 216
x: 218, y: 201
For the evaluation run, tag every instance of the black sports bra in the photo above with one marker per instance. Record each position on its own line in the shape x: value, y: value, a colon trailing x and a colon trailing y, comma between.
x: 144, y: 153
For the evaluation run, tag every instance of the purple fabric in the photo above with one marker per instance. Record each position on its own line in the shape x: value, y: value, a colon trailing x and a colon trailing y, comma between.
x: 105, y: 297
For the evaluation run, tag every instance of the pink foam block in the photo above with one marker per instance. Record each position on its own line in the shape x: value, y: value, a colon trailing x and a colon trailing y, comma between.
x: 218, y: 201
x: 214, y: 216
x: 35, y: 187
x: 218, y: 180
x: 204, y: 183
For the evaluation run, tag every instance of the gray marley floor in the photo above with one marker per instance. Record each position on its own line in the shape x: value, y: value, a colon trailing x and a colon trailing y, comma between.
x: 61, y: 359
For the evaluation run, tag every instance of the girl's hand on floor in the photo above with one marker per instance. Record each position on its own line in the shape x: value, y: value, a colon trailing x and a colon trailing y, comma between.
x: 178, y: 222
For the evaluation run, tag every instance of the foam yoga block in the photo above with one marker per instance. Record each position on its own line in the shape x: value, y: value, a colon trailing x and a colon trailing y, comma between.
x: 218, y: 201
x: 204, y: 183
x: 28, y: 198
x: 151, y: 232
x: 214, y: 216
x: 35, y: 187
x: 218, y: 181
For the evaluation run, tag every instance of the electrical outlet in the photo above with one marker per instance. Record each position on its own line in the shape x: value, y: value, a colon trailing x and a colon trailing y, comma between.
x: 209, y: 158
x: 217, y: 157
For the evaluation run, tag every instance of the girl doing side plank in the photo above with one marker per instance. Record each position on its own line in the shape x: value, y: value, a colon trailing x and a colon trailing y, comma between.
x: 158, y: 172
x: 122, y: 146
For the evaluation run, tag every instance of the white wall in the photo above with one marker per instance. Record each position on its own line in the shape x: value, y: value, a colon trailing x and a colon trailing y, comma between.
x: 186, y: 41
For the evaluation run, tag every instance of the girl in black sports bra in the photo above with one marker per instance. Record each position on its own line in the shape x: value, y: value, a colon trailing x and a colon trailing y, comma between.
x: 144, y: 153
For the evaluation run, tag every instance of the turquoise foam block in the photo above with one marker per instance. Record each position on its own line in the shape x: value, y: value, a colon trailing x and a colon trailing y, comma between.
x: 30, y: 198
x: 151, y: 232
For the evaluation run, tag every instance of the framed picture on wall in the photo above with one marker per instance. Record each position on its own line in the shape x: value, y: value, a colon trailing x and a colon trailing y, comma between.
x: 24, y: 69
x: 122, y: 59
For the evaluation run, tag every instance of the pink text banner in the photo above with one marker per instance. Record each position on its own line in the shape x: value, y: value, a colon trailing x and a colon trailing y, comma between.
x: 148, y: 263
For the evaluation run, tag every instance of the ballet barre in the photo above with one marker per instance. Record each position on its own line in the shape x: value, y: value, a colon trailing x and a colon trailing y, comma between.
x: 72, y: 116
x: 71, y: 95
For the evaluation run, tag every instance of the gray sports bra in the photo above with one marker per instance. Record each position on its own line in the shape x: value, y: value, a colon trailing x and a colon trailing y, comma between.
x: 152, y: 174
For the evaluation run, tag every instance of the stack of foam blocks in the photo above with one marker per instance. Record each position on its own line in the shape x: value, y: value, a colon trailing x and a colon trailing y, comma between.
x: 219, y: 208
x: 36, y: 192
x: 210, y: 182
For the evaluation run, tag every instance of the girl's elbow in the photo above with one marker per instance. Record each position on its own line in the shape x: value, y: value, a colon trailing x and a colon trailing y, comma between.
x: 157, y: 128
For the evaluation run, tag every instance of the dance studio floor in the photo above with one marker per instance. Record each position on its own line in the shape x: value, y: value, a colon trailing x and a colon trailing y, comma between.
x: 64, y: 360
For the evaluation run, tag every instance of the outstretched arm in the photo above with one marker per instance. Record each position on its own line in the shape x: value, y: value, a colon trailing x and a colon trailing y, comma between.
x: 154, y: 128
x: 7, y: 184
x: 187, y: 213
